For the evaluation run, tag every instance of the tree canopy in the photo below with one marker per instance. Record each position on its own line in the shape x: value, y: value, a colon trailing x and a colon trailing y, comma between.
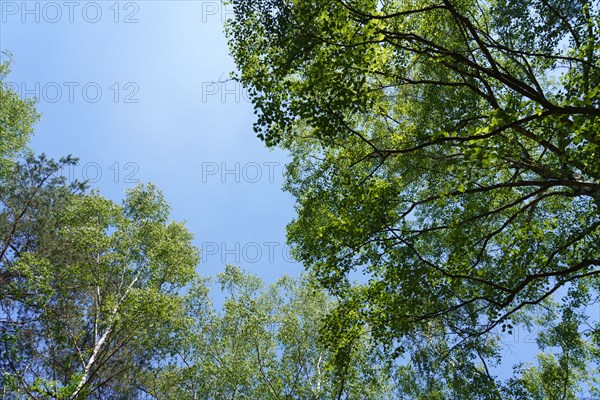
x: 448, y: 150
x: 444, y: 162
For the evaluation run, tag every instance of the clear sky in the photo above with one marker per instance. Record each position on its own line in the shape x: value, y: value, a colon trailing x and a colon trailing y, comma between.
x: 132, y: 88
x: 129, y: 87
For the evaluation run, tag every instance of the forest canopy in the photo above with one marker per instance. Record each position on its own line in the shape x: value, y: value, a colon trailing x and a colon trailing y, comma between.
x: 444, y: 166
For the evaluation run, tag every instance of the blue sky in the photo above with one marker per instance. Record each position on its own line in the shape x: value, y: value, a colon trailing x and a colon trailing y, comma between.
x: 132, y: 88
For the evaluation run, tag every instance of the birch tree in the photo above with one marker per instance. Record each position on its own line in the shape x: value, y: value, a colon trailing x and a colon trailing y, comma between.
x: 90, y: 290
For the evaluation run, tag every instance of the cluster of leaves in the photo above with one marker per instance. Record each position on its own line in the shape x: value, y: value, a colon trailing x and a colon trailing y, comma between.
x: 17, y: 117
x: 447, y: 149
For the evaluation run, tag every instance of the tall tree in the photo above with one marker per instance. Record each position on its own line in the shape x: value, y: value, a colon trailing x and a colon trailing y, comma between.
x: 449, y: 150
x: 89, y: 296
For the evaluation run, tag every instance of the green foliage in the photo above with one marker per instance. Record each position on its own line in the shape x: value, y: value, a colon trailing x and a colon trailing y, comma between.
x: 89, y: 288
x: 265, y: 345
x: 449, y: 151
x: 17, y: 118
